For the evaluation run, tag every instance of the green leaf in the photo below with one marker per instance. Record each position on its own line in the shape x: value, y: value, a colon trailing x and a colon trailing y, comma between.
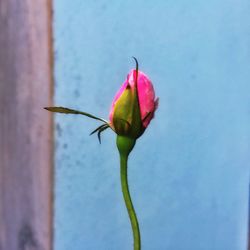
x: 72, y: 111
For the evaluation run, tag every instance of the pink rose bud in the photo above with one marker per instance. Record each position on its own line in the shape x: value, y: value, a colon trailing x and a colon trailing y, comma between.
x: 134, y: 105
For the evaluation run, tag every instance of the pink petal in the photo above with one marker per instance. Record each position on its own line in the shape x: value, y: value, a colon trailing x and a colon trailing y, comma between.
x: 146, y: 95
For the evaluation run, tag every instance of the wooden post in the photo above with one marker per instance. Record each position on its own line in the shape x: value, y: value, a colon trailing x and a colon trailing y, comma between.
x: 25, y: 128
x: 248, y: 238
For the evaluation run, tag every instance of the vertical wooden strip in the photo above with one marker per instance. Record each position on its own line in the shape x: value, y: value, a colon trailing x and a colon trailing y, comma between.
x: 248, y: 232
x: 25, y: 128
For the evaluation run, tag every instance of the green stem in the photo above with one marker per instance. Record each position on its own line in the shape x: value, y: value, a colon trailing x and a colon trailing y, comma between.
x: 125, y: 145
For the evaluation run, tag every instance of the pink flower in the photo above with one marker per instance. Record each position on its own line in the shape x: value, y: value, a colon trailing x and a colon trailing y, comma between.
x: 134, y: 105
x: 132, y: 108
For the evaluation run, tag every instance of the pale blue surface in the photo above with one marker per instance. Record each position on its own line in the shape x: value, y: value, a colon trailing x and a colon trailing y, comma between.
x: 189, y: 172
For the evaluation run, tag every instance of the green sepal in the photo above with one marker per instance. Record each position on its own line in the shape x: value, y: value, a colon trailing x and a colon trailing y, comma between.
x: 99, y: 130
x: 127, y: 109
x: 122, y: 117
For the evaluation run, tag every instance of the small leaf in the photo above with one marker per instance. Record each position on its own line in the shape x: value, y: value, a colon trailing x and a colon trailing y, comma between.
x: 72, y: 111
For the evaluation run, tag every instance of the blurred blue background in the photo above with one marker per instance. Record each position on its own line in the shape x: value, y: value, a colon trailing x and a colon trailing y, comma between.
x: 189, y: 173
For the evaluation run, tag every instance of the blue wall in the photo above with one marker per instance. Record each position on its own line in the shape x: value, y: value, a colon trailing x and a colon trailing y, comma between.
x: 189, y: 172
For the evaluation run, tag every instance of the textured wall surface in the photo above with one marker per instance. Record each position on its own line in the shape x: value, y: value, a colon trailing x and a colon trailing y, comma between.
x: 189, y: 172
x: 26, y: 148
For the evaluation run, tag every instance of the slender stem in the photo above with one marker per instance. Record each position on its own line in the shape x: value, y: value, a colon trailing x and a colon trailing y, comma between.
x: 128, y: 202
